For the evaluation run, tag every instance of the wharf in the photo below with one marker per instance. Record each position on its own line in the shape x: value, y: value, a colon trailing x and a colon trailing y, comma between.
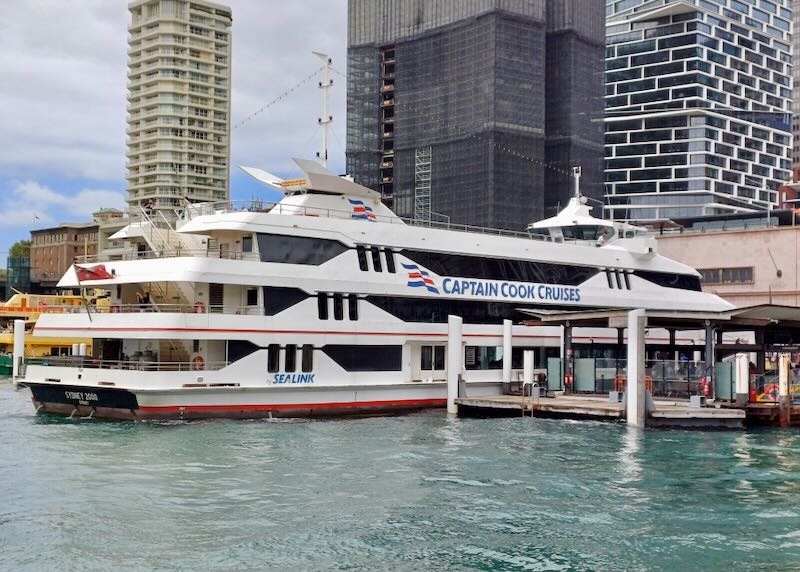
x: 667, y: 413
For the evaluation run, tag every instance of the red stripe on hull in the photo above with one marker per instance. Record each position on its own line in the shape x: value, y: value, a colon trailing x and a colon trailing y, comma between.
x: 320, y: 332
x: 434, y: 402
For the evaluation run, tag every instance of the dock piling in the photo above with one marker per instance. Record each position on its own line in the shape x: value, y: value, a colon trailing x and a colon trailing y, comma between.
x: 635, y: 410
x: 506, y: 356
x: 454, y: 361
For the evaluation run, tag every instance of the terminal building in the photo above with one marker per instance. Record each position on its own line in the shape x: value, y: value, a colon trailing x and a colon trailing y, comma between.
x: 454, y: 108
x: 698, y: 106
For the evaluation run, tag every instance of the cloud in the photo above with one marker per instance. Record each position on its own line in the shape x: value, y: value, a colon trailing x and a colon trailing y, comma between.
x: 30, y: 203
x: 64, y: 70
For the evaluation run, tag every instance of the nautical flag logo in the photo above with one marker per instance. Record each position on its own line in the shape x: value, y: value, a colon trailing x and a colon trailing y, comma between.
x: 418, y: 278
x: 361, y: 211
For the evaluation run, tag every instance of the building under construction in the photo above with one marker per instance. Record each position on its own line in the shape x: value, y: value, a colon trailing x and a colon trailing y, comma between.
x: 474, y: 111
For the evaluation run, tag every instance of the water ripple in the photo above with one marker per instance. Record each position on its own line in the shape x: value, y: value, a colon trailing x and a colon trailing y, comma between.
x: 417, y: 492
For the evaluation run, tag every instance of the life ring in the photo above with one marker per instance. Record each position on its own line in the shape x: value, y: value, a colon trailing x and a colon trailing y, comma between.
x: 771, y: 392
x: 198, y: 363
x: 199, y: 308
x: 568, y: 379
x: 619, y: 383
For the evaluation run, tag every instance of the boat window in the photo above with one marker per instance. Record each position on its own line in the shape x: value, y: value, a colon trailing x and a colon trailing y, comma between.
x: 376, y: 259
x: 290, y: 363
x: 680, y: 281
x: 627, y: 280
x: 438, y: 357
x: 608, y: 278
x: 362, y: 258
x: 247, y: 243
x: 216, y: 298
x: 338, y: 306
x: 616, y: 277
x: 278, y: 298
x: 308, y: 358
x: 352, y: 307
x: 322, y: 305
x: 431, y: 310
x: 465, y: 266
x: 273, y: 358
x: 366, y: 358
x: 426, y: 358
x: 196, y: 346
x: 483, y: 357
x: 390, y: 266
x: 238, y: 349
x: 252, y: 296
x: 583, y: 232
x: 297, y: 249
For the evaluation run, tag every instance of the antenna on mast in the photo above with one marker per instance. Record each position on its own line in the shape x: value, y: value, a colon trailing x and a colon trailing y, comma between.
x: 576, y: 174
x: 325, y: 119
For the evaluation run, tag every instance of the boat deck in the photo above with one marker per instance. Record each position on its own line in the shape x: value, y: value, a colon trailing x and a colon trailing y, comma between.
x: 667, y: 413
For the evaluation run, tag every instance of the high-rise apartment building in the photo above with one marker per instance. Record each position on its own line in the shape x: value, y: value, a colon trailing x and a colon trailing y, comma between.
x: 698, y: 106
x: 475, y: 110
x: 179, y: 76
x: 796, y: 83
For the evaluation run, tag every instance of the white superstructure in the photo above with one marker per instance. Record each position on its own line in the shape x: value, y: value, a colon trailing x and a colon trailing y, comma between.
x: 327, y: 302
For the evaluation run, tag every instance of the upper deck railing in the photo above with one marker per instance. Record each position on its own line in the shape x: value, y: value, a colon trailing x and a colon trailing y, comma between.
x: 224, y: 207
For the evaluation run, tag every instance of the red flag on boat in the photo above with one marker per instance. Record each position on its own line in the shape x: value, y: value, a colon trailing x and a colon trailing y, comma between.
x: 98, y: 272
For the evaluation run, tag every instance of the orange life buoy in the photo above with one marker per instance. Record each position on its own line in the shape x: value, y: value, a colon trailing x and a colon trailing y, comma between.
x: 771, y: 392
x: 568, y: 379
x: 198, y: 363
x: 619, y: 383
x: 199, y: 308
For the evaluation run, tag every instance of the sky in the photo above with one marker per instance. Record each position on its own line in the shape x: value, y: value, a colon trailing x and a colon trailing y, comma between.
x: 63, y: 99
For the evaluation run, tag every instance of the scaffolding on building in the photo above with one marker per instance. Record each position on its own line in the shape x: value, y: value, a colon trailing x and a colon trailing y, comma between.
x: 422, y: 183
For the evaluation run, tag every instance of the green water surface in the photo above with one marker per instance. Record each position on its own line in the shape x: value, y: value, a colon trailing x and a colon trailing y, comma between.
x: 417, y: 492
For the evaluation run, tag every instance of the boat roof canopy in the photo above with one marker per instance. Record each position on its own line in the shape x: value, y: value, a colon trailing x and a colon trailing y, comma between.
x: 315, y: 178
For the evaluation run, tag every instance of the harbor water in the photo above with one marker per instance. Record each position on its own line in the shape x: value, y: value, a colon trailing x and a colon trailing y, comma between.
x: 414, y: 492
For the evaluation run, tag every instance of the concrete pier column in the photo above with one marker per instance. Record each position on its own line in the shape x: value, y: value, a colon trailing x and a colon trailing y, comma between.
x: 709, y: 360
x: 18, y: 353
x: 635, y: 391
x: 527, y: 367
x: 568, y: 378
x: 507, y: 356
x: 454, y: 360
x: 742, y: 379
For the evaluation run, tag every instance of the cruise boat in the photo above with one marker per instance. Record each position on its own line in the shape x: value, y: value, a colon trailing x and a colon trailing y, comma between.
x: 328, y: 303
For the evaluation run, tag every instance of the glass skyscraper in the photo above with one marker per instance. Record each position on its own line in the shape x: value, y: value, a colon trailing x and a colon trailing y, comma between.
x: 475, y: 110
x: 698, y: 106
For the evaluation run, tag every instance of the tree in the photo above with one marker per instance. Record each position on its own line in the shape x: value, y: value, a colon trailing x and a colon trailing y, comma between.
x: 20, y: 248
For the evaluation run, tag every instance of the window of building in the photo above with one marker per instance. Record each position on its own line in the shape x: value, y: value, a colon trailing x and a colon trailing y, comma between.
x: 740, y: 275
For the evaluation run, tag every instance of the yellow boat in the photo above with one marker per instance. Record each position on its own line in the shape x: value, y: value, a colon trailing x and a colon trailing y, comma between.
x: 29, y: 307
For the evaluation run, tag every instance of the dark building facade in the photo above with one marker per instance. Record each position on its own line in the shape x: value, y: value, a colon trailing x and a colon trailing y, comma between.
x: 475, y: 110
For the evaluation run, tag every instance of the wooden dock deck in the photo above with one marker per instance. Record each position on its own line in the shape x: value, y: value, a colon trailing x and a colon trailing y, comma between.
x: 667, y: 413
